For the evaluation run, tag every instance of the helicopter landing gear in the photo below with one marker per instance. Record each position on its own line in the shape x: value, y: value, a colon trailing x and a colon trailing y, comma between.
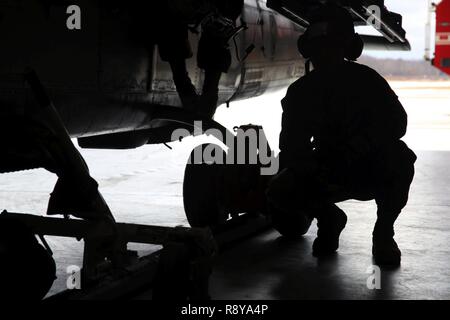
x: 219, y: 187
x: 201, y: 189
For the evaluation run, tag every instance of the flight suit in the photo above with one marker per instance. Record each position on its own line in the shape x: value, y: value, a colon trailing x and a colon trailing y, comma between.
x: 340, y: 140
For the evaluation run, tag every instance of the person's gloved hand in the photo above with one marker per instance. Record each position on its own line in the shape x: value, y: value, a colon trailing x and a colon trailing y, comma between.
x: 281, y: 190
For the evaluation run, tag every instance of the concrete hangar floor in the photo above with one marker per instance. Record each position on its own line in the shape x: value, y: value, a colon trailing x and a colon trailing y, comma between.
x: 145, y: 186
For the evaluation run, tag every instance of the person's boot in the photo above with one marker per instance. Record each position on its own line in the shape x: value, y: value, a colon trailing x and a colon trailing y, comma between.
x: 331, y: 222
x: 385, y: 250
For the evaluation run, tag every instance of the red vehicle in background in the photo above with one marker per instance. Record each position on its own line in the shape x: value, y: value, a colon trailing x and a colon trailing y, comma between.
x: 441, y: 58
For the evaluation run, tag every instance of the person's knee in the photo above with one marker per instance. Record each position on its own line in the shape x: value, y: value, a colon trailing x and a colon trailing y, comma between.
x: 290, y: 223
x: 394, y: 175
x: 398, y: 160
x: 288, y: 205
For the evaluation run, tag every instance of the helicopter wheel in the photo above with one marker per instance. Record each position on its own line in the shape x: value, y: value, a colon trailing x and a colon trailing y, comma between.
x: 200, y: 189
x: 27, y: 269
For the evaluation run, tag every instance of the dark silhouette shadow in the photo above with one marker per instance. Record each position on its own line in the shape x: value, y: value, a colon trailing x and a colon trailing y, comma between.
x: 281, y: 268
x: 216, y: 20
x: 341, y: 139
x: 27, y: 270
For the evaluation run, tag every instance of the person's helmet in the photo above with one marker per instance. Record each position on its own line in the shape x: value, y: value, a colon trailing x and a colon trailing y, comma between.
x: 331, y: 21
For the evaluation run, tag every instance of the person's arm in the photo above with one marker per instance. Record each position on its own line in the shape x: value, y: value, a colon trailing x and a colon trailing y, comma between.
x: 296, y: 149
x: 388, y: 117
x: 384, y: 118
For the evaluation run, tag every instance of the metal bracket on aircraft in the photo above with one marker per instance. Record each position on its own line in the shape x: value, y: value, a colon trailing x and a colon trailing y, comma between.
x: 389, y: 24
x: 72, y: 170
x: 293, y: 10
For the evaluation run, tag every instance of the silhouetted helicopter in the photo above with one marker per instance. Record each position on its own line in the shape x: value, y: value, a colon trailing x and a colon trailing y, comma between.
x: 109, y: 84
x: 90, y: 70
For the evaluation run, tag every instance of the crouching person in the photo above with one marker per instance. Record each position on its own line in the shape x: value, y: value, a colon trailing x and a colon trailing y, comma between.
x: 341, y: 139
